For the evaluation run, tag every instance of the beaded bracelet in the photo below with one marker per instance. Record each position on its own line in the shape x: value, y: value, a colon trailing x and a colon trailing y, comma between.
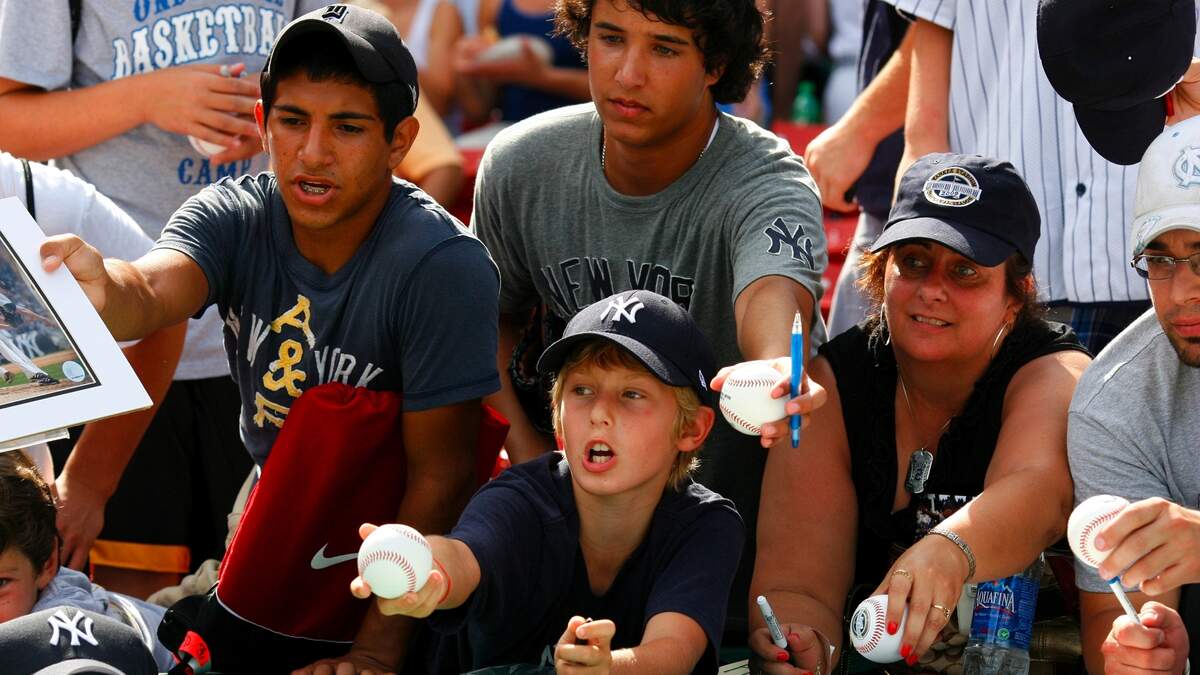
x: 962, y: 546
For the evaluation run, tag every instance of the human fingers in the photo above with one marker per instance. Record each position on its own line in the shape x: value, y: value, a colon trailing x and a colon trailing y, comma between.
x: 366, y: 529
x: 920, y: 599
x: 808, y: 652
x: 897, y: 586
x: 568, y: 635
x: 54, y: 250
x: 419, y: 604
x: 766, y: 650
x: 1132, y: 634
x: 935, y: 622
x: 598, y: 633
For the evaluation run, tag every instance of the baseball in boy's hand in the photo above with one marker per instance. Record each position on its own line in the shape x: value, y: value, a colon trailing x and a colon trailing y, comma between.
x: 394, y: 560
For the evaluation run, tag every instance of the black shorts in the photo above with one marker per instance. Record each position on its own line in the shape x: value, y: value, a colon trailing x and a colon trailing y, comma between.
x: 169, y: 511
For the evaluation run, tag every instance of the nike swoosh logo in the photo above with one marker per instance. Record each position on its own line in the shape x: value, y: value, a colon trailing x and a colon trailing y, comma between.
x: 320, y: 562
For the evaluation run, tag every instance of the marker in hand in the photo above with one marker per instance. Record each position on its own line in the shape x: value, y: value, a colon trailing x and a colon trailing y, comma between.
x: 797, y: 372
x: 772, y: 623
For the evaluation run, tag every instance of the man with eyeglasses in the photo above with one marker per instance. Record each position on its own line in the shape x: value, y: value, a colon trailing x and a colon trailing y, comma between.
x: 1135, y: 432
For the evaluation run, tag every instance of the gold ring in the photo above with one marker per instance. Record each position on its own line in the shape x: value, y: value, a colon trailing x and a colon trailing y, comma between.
x: 945, y: 612
x: 904, y: 573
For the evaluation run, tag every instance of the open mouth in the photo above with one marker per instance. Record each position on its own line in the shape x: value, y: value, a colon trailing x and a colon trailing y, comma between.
x: 600, y: 453
x: 312, y: 188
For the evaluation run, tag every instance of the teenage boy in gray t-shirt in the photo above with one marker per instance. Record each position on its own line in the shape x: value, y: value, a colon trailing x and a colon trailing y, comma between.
x: 649, y: 187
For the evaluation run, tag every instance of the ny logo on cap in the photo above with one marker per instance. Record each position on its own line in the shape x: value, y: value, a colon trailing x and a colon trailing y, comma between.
x: 59, y: 620
x: 623, y: 307
x: 1187, y: 167
x: 335, y: 13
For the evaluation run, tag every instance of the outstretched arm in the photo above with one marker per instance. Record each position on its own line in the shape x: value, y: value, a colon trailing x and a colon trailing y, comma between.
x: 162, y: 288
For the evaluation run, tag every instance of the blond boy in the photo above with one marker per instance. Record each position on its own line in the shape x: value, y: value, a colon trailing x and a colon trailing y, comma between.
x: 611, y: 528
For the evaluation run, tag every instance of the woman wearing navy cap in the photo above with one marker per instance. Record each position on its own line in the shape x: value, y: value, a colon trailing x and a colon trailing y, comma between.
x: 940, y: 458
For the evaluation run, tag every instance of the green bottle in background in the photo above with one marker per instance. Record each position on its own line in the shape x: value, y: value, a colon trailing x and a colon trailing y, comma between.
x: 806, y: 109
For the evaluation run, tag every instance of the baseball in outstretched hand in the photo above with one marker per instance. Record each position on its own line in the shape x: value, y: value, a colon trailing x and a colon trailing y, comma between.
x: 394, y: 560
x: 746, y: 400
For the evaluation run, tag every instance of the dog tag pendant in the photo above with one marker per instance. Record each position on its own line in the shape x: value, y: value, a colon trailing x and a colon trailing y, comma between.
x: 919, y: 466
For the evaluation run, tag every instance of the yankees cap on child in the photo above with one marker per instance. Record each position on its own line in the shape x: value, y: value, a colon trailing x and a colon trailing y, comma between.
x: 1168, y: 185
x: 72, y: 641
x: 977, y: 206
x: 656, y: 330
x: 1115, y: 60
x: 371, y: 39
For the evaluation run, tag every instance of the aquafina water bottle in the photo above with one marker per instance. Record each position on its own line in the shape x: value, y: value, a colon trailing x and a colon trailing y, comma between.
x: 1003, y: 624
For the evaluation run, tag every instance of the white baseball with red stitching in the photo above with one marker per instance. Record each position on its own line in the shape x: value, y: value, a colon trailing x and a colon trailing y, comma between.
x: 746, y: 399
x: 1086, y: 520
x: 868, y: 630
x: 394, y: 560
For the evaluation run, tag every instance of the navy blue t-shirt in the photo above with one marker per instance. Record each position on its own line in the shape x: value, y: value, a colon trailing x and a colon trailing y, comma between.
x: 414, y: 310
x: 524, y: 531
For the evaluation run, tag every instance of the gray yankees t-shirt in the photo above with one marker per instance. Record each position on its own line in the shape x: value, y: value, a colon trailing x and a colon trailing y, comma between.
x: 146, y: 171
x: 414, y: 309
x: 1135, y: 426
x: 563, y: 236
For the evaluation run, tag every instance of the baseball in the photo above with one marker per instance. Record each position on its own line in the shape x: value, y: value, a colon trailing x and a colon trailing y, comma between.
x: 746, y: 399
x: 868, y: 630
x: 510, y: 48
x: 1087, y: 518
x: 204, y: 147
x: 394, y: 560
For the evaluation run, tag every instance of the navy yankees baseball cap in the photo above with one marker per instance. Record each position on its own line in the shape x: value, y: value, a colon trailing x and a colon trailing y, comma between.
x: 977, y: 206
x: 71, y: 641
x: 372, y: 40
x: 656, y: 330
x: 1115, y: 60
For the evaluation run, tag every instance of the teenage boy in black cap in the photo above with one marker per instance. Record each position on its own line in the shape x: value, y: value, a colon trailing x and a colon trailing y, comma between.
x: 613, y: 528
x: 328, y: 270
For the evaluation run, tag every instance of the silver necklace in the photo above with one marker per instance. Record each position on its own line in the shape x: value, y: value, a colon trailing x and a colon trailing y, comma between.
x: 604, y: 146
x: 920, y: 464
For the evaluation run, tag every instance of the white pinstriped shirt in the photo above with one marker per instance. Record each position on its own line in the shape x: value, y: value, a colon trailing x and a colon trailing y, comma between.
x: 1002, y: 106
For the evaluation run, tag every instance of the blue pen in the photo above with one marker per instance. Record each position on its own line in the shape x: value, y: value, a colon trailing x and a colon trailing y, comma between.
x: 797, y: 371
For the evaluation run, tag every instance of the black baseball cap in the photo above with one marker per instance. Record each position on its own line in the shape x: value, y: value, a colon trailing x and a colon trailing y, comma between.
x: 1115, y: 59
x: 656, y: 330
x: 977, y: 206
x: 372, y: 41
x: 71, y: 641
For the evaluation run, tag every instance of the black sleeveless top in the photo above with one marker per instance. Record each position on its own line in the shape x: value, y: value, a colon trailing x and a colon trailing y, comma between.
x: 865, y: 370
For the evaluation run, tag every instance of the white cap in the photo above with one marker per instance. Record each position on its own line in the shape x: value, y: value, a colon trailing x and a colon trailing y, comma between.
x: 1168, y: 185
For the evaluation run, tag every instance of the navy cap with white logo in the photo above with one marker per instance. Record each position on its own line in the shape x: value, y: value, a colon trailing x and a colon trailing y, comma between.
x: 976, y: 206
x: 369, y: 37
x: 71, y: 641
x: 657, y: 331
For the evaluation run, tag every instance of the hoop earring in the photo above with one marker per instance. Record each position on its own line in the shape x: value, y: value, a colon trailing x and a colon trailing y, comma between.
x: 884, y: 320
x: 999, y: 334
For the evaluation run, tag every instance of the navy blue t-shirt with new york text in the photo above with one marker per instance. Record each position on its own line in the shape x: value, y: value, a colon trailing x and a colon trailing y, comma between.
x: 523, y: 529
x: 414, y: 310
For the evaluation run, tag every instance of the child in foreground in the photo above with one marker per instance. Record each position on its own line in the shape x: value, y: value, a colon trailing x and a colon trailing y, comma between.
x: 31, y: 579
x: 611, y: 528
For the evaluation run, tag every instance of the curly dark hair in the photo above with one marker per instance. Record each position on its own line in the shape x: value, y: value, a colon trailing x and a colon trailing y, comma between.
x: 728, y: 32
x: 27, y: 511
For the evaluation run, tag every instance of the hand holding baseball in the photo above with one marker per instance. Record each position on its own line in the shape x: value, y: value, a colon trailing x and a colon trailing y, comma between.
x: 1158, y: 644
x: 1155, y: 542
x: 756, y: 406
x: 804, y: 653
x: 585, y: 647
x: 925, y: 582
x: 419, y: 603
